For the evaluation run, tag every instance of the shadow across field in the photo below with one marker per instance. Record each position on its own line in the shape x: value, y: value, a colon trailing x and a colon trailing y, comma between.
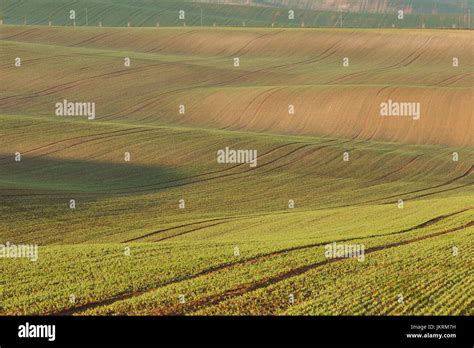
x: 63, y: 177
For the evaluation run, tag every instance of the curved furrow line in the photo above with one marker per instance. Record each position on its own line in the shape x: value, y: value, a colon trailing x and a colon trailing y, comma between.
x: 252, y: 260
x: 175, y: 228
x: 248, y: 106
x: 306, y: 61
x: 323, y: 55
x: 434, y: 193
x: 420, y: 51
x: 381, y: 90
x: 196, y: 229
x: 27, y: 31
x: 242, y: 289
x: 403, y: 167
x: 134, y: 191
x: 71, y: 84
x: 382, y: 69
x: 155, y: 99
x: 216, y: 171
x: 92, y: 39
x: 48, y: 58
x: 428, y: 188
x: 212, y: 178
x: 66, y: 140
x: 154, y: 188
x: 233, y: 174
x: 171, y: 41
x: 116, y: 73
x: 227, y: 219
x: 271, y: 92
x: 300, y: 158
x: 455, y: 79
x: 246, y: 45
x: 128, y: 132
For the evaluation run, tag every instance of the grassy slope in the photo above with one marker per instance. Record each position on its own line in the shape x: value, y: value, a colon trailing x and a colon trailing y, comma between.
x: 247, y: 209
x: 148, y: 13
x: 191, y: 251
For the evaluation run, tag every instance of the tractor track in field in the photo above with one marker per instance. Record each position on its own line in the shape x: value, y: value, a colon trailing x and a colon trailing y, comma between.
x: 433, y: 193
x: 132, y: 131
x: 216, y: 177
x: 48, y: 58
x: 152, y: 100
x: 399, y: 195
x: 232, y: 218
x: 403, y: 167
x: 249, y: 105
x: 107, y: 136
x: 243, y: 289
x: 204, y: 84
x: 453, y: 79
x: 171, y: 41
x: 300, y: 158
x: 223, y: 219
x: 152, y: 186
x: 197, y: 229
x: 328, y: 52
x: 270, y: 93
x: 449, y: 182
x: 216, y: 171
x: 389, y: 67
x: 157, y: 98
x: 58, y: 10
x: 242, y: 51
x: 27, y: 31
x: 91, y: 39
x: 381, y: 199
x: 75, y: 83
x: 260, y: 257
x: 414, y: 55
x: 286, y: 65
x: 65, y: 140
x: 182, y: 179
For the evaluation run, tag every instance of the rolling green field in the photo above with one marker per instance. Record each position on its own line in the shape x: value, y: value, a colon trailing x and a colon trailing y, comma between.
x: 173, y: 232
x: 191, y: 251
x: 147, y: 13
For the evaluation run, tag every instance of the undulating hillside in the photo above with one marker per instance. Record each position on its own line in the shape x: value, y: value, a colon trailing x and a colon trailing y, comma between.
x: 133, y: 212
x: 278, y: 69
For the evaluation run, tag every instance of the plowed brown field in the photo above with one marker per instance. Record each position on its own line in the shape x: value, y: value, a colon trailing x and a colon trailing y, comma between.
x: 278, y: 68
